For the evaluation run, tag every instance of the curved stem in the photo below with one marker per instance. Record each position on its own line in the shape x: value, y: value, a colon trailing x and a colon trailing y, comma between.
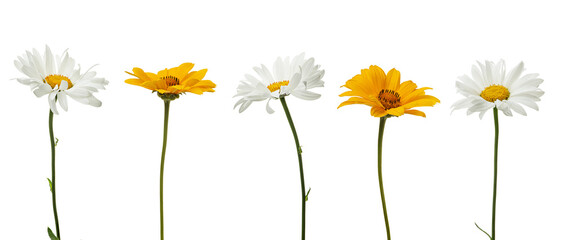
x: 495, y: 111
x: 53, y: 192
x: 303, y: 195
x: 164, y: 138
x: 380, y: 175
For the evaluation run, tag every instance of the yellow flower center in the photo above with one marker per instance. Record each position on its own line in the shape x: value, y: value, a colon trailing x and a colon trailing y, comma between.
x: 389, y: 99
x: 277, y: 85
x: 55, y: 80
x: 171, y: 80
x: 495, y: 92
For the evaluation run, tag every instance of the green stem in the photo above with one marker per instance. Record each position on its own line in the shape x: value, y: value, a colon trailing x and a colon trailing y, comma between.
x: 164, y: 138
x: 53, y: 192
x: 495, y: 111
x: 380, y: 175
x: 303, y: 195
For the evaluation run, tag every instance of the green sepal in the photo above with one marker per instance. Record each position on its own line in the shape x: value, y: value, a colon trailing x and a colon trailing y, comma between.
x: 483, y: 231
x: 307, y: 195
x: 51, y: 234
x: 50, y: 184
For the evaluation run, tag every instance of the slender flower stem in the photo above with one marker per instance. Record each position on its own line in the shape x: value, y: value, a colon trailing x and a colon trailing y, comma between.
x: 53, y: 192
x: 380, y: 175
x: 495, y: 111
x: 303, y: 195
x: 164, y: 138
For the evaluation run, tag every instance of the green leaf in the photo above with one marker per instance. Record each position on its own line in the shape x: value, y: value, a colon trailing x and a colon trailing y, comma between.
x: 51, y: 234
x: 300, y: 149
x: 483, y: 231
x: 307, y: 195
x: 56, y: 141
x: 50, y: 184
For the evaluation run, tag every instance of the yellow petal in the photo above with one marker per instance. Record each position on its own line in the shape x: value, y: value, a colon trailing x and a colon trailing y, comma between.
x: 379, y: 77
x: 398, y: 111
x: 393, y: 79
x: 356, y: 100
x: 155, y: 85
x: 416, y: 93
x: 378, y: 112
x: 142, y: 74
x: 205, y: 83
x: 422, y: 101
x: 194, y: 75
x: 135, y: 81
x: 406, y: 87
x: 415, y: 112
x: 181, y: 71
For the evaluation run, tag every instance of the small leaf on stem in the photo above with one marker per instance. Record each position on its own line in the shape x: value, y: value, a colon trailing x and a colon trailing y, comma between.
x: 51, y: 234
x: 483, y: 231
x: 50, y: 184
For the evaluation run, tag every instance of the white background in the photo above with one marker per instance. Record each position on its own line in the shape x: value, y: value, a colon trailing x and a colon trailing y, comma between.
x: 235, y: 176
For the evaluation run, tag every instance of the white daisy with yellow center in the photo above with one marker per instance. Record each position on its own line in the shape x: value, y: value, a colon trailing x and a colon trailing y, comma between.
x: 57, y: 77
x: 293, y: 77
x: 490, y: 86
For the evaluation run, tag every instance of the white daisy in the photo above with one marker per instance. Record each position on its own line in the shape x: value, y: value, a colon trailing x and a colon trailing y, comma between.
x: 293, y: 77
x: 57, y: 76
x: 489, y: 86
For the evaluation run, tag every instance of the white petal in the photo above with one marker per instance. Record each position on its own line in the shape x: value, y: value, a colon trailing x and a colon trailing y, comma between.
x: 49, y: 61
x: 61, y: 97
x: 294, y: 82
x: 499, y: 72
x: 481, y: 114
x: 244, y: 106
x: 514, y: 74
x: 305, y: 95
x: 296, y: 62
x: 503, y: 106
x: 63, y: 85
x: 42, y: 90
x: 529, y: 102
x: 462, y: 103
x: 516, y: 107
x: 489, y: 80
x: 477, y: 75
x: 279, y: 70
x: 67, y: 66
x: 265, y: 74
x: 93, y: 101
x: 268, y: 108
x: 52, y: 103
x: 239, y: 102
x: 38, y: 62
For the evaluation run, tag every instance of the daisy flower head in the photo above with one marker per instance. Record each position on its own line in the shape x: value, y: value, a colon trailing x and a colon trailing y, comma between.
x: 170, y: 83
x: 288, y: 77
x: 57, y: 77
x: 385, y: 93
x: 490, y: 86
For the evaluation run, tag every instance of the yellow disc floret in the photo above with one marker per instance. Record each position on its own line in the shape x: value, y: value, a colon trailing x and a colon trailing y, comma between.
x: 171, y: 80
x: 277, y: 85
x: 55, y: 80
x: 389, y: 99
x: 495, y: 92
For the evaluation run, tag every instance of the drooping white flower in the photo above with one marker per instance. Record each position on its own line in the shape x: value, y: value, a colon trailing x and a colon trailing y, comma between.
x: 490, y: 86
x: 293, y: 77
x: 58, y: 77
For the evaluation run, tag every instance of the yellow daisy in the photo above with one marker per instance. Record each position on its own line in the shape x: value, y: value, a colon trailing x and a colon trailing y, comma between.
x: 385, y: 94
x: 174, y: 81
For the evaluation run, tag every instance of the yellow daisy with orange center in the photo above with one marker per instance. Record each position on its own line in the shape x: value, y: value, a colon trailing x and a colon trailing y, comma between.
x: 385, y: 93
x: 174, y: 81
